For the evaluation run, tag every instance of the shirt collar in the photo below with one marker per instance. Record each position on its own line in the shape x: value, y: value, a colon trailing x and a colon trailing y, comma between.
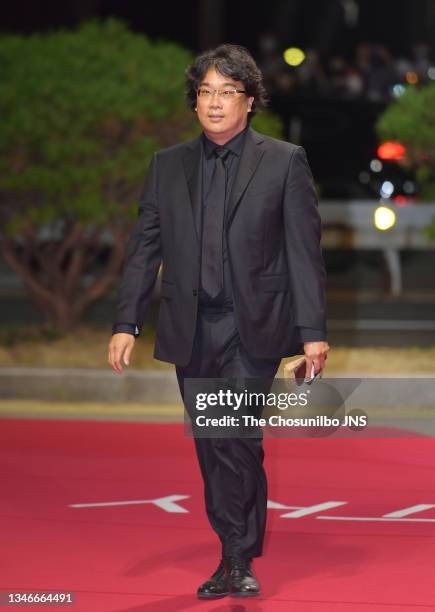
x: 235, y: 145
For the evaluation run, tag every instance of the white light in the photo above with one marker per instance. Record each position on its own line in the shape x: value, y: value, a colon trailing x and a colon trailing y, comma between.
x: 364, y: 177
x: 398, y: 90
x: 384, y: 218
x: 376, y: 165
x: 431, y: 73
x: 387, y: 189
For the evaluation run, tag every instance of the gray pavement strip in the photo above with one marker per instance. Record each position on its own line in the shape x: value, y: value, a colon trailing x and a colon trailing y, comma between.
x: 160, y: 387
x: 89, y: 384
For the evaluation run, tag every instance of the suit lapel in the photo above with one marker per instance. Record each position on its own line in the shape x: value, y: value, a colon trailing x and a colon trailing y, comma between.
x: 193, y: 171
x: 251, y: 156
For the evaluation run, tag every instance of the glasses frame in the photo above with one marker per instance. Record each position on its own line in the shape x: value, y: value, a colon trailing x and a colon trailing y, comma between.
x: 219, y: 92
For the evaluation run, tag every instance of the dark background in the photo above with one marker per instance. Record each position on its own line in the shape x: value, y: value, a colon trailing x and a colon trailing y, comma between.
x: 396, y: 23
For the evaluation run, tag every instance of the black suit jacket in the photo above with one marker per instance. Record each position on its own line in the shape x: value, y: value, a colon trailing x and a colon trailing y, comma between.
x: 273, y: 234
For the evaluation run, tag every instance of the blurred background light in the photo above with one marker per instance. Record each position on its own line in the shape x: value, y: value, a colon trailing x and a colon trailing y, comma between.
x: 411, y: 77
x: 408, y: 187
x: 401, y: 200
x: 376, y: 165
x: 384, y: 218
x: 387, y: 189
x: 398, y: 90
x: 294, y: 56
x: 391, y: 150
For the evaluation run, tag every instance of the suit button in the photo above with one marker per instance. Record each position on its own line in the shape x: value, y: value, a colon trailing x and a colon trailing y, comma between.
x: 195, y: 292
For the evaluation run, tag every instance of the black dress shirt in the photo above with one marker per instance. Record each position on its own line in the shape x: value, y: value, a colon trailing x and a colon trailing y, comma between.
x: 235, y: 147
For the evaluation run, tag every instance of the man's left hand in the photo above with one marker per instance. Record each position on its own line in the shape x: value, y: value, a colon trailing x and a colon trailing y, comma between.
x: 315, y: 354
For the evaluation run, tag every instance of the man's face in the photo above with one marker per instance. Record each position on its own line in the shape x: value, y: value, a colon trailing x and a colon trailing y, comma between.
x: 222, y: 118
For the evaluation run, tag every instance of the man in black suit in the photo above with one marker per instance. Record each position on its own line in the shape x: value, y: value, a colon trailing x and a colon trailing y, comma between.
x: 233, y: 217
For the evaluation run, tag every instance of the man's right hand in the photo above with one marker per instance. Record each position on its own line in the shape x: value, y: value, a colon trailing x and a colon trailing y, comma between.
x: 120, y: 348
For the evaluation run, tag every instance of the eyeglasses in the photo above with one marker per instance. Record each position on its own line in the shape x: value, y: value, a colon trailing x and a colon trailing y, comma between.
x: 204, y: 92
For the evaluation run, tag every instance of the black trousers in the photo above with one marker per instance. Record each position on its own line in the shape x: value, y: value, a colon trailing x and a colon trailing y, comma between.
x: 235, y: 484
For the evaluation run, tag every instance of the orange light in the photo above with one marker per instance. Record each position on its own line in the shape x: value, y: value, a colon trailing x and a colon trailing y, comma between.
x: 391, y: 150
x: 411, y: 78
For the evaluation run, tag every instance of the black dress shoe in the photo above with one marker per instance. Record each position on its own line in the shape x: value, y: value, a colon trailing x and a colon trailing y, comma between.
x: 216, y: 586
x: 242, y: 580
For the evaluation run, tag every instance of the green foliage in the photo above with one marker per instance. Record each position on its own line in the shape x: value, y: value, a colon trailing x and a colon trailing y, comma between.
x: 82, y: 112
x: 268, y: 123
x: 411, y: 121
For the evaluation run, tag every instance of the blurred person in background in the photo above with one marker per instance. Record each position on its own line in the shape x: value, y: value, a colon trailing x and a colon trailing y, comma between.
x: 381, y: 75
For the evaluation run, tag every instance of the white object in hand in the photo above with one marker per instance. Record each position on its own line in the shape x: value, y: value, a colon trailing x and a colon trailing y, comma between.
x: 312, y: 375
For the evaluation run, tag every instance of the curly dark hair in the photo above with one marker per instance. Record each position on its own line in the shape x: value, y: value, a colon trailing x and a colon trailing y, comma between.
x: 233, y: 61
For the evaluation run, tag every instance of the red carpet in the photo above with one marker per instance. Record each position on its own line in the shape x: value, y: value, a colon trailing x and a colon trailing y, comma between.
x: 140, y: 557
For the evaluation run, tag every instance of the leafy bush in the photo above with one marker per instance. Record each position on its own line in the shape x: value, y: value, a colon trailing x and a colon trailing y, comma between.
x: 411, y: 121
x: 82, y: 112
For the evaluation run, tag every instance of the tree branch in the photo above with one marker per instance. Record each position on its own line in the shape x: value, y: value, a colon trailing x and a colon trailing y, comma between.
x: 25, y: 273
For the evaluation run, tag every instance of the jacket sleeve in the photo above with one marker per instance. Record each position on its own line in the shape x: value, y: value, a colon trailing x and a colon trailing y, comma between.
x: 302, y: 235
x: 143, y: 257
x: 312, y: 335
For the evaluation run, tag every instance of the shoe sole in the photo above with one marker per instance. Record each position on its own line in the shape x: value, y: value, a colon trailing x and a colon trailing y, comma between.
x: 211, y: 596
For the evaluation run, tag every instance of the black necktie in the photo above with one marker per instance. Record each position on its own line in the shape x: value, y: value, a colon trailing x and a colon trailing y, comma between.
x: 212, y: 278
